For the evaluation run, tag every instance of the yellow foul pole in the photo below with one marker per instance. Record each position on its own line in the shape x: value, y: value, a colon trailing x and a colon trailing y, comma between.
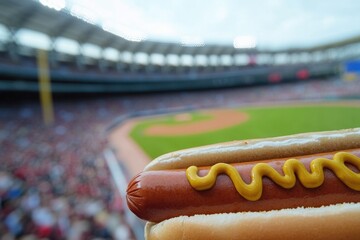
x: 45, y: 87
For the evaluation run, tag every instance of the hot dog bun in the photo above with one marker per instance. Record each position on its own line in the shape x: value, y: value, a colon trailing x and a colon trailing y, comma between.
x: 338, y: 221
x: 259, y: 149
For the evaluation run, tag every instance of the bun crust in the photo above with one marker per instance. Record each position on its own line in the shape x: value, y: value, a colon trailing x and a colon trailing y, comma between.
x: 340, y: 221
x: 259, y: 149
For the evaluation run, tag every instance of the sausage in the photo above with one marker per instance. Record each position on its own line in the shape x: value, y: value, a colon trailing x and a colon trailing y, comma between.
x: 159, y: 195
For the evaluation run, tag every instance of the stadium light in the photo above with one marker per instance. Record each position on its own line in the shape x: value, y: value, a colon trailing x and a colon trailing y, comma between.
x: 244, y: 42
x: 54, y: 4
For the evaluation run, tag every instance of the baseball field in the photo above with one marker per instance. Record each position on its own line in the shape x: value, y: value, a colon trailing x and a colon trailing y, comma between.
x: 166, y: 133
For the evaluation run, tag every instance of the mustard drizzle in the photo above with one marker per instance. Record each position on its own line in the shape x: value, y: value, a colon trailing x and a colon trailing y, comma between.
x: 253, y: 191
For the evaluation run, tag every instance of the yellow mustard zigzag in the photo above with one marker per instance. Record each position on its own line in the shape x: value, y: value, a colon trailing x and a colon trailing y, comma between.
x: 312, y: 179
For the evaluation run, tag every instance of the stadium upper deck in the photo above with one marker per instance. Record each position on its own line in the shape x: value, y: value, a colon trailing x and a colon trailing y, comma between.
x: 167, y: 66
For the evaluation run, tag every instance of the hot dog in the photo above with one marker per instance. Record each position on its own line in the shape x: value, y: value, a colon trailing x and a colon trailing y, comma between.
x: 300, y: 178
x: 167, y: 193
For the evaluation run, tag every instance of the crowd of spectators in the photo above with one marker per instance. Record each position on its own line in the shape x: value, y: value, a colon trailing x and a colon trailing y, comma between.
x: 54, y: 182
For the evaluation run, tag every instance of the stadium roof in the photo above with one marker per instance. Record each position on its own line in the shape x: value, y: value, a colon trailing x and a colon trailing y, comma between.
x: 17, y: 14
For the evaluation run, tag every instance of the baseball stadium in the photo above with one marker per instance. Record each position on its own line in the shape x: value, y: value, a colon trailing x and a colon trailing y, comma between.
x: 86, y: 105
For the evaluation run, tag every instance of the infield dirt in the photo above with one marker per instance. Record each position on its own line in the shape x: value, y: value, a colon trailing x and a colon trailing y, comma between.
x: 135, y: 159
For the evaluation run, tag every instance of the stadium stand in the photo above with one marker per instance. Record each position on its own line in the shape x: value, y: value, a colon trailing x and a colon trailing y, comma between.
x: 160, y: 66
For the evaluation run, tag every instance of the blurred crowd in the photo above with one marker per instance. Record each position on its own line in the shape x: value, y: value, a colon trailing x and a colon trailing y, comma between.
x: 54, y: 182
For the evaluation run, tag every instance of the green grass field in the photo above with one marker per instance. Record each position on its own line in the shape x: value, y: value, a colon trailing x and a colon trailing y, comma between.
x: 263, y: 122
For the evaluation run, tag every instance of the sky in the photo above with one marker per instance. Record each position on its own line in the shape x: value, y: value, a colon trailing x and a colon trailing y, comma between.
x: 271, y: 23
x: 266, y: 24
